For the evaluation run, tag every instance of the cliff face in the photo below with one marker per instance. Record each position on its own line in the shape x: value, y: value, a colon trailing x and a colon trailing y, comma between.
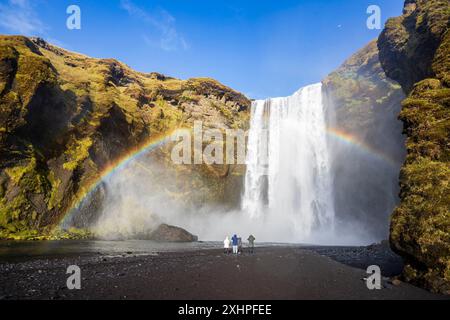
x: 64, y: 117
x: 415, y: 51
x: 365, y: 104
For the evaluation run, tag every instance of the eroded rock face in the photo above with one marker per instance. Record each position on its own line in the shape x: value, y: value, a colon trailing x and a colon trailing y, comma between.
x: 65, y: 117
x: 408, y: 43
x: 364, y: 104
x: 415, y: 51
x: 167, y: 233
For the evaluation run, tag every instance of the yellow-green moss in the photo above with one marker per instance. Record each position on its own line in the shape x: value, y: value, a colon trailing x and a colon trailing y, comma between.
x: 53, y: 200
x: 164, y: 116
x: 16, y: 173
x: 190, y: 96
x: 77, y: 153
x: 416, y: 52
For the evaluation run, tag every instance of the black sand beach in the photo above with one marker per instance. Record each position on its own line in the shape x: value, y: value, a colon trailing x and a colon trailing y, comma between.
x: 274, y: 272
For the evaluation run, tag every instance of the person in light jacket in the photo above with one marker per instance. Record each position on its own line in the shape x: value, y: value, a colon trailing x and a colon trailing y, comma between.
x: 226, y: 245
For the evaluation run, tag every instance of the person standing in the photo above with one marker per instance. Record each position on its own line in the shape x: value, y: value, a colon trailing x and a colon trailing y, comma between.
x: 226, y: 245
x: 251, y: 243
x: 235, y: 244
x: 240, y: 249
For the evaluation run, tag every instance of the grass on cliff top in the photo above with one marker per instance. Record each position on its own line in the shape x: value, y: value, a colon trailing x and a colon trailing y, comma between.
x: 79, y: 71
x: 94, y: 78
x: 33, y: 68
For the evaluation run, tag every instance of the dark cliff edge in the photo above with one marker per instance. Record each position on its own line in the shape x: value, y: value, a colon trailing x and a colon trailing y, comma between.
x: 415, y: 51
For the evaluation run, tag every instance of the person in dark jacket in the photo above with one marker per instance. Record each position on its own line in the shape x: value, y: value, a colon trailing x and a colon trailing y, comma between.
x: 235, y: 242
x: 240, y: 248
x: 251, y: 243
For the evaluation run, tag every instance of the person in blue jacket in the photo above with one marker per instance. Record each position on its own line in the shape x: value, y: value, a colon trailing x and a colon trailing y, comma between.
x: 235, y: 244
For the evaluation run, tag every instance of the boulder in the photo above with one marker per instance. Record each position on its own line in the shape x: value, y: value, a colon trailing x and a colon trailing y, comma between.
x: 167, y: 233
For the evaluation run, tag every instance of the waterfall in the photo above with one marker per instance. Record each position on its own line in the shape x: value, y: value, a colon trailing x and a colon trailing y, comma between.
x: 288, y: 174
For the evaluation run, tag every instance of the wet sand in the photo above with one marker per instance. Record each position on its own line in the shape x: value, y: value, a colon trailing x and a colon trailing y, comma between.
x: 270, y: 273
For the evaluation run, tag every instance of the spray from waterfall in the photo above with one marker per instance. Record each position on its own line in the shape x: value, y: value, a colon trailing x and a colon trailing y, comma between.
x: 288, y: 174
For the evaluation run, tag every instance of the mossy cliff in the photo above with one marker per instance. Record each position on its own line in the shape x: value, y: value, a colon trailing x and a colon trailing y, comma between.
x: 64, y: 117
x: 364, y: 104
x: 415, y: 51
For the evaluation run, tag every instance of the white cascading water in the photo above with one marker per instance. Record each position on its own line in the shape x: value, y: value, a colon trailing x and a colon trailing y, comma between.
x: 288, y: 164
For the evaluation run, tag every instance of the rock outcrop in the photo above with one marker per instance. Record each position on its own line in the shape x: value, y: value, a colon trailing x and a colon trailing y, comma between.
x: 64, y: 117
x: 364, y: 104
x: 415, y: 51
x: 167, y: 233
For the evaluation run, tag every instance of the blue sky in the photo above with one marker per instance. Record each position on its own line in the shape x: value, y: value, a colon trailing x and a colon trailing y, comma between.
x: 261, y: 48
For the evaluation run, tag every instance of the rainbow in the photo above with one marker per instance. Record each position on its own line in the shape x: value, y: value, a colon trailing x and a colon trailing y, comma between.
x: 160, y: 140
x: 351, y: 140
x: 148, y: 145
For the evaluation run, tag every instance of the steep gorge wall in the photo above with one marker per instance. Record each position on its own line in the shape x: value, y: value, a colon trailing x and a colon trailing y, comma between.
x: 415, y: 51
x: 364, y: 104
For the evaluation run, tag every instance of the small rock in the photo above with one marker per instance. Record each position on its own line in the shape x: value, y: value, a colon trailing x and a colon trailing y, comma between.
x: 396, y: 282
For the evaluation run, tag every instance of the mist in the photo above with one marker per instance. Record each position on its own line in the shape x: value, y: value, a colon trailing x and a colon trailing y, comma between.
x: 133, y: 202
x: 366, y: 170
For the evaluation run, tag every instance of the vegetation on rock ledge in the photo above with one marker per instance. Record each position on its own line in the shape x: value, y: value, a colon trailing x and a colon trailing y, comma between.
x: 415, y: 50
